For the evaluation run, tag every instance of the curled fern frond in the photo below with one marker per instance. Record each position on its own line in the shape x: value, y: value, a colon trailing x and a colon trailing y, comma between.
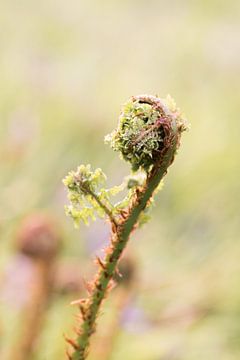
x: 147, y: 136
x: 144, y: 129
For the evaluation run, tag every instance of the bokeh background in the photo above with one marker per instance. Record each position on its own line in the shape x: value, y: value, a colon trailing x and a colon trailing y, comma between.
x: 65, y: 69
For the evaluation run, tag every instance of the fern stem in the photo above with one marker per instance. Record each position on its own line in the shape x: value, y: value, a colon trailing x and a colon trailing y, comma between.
x: 105, y: 208
x: 147, y: 136
x: 119, y: 238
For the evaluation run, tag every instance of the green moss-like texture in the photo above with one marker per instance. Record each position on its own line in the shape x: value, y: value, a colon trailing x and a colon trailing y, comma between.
x: 140, y: 134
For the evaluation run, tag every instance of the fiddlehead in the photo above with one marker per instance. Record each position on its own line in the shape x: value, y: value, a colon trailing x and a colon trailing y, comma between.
x: 147, y: 136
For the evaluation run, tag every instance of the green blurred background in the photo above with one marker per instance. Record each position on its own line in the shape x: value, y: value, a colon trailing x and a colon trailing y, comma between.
x: 65, y: 69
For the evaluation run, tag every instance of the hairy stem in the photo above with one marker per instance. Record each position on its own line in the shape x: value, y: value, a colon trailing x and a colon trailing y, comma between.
x: 119, y: 238
x: 104, y: 348
x: 147, y: 136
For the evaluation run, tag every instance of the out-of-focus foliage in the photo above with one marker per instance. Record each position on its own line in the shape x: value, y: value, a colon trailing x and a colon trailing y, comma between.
x: 65, y: 69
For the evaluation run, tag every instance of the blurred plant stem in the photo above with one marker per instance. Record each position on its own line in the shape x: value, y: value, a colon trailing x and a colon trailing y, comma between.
x: 38, y: 240
x: 33, y: 315
x: 104, y: 347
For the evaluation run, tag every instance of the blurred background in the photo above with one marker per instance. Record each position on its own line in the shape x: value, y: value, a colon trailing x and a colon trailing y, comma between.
x: 65, y: 69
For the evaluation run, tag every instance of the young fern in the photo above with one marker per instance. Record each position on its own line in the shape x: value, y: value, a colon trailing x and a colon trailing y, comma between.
x: 147, y: 136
